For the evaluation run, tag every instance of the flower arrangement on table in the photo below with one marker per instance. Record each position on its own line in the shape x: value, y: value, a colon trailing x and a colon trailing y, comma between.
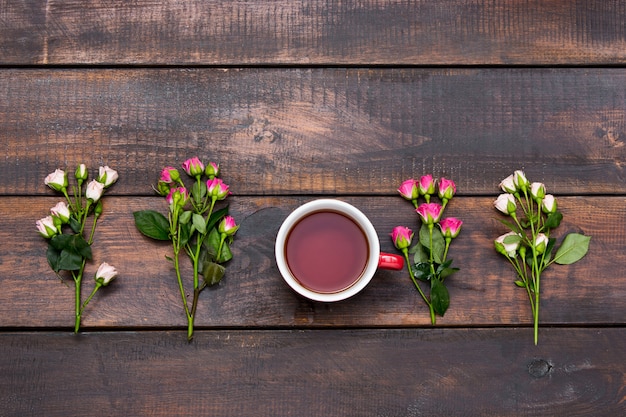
x: 528, y: 246
x: 430, y: 254
x: 193, y: 226
x: 66, y: 225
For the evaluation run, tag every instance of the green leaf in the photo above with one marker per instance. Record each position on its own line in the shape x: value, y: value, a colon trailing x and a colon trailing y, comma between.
x: 53, y: 255
x: 212, y: 273
x: 198, y: 222
x: 152, y: 224
x: 421, y: 271
x: 198, y: 191
x: 69, y: 261
x: 573, y: 248
x: 185, y: 217
x: 186, y: 230
x: 510, y: 225
x: 419, y: 253
x: 439, y: 243
x: 554, y: 220
x: 439, y: 296
x: 74, y: 224
x: 74, y: 243
x: 520, y: 284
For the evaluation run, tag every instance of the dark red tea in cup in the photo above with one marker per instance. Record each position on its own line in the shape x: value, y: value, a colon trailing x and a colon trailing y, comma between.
x: 326, y: 251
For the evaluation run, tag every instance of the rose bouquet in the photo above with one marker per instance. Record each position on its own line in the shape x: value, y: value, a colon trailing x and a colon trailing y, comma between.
x: 430, y: 254
x: 528, y: 246
x: 69, y: 238
x: 193, y: 227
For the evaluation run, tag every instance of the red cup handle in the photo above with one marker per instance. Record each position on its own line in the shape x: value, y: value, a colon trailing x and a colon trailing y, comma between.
x: 390, y: 261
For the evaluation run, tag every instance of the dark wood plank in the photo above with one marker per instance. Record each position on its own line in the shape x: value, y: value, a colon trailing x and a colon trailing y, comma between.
x: 380, y: 32
x: 479, y: 372
x: 253, y: 293
x: 319, y: 131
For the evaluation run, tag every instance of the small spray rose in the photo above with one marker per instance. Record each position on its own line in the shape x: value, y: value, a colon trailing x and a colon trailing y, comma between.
x: 529, y: 246
x: 430, y: 263
x: 67, y: 230
x: 193, y: 227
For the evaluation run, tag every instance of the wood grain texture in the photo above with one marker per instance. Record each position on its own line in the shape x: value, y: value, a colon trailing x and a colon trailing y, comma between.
x: 478, y: 372
x: 373, y: 32
x: 318, y: 131
x: 253, y: 294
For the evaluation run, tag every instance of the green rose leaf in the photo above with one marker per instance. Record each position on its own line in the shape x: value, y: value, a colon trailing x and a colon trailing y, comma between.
x: 212, y: 273
x: 152, y: 224
x: 439, y: 296
x: 554, y: 220
x: 573, y: 248
x: 76, y: 244
x: 198, y: 222
x: 439, y: 243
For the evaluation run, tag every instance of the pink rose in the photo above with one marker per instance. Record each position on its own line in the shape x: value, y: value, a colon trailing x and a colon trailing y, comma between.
x: 212, y: 170
x: 61, y: 211
x: 228, y: 226
x: 193, y: 167
x: 169, y: 175
x: 401, y: 237
x: 177, y: 197
x: 409, y: 190
x: 427, y: 185
x: 430, y: 212
x: 450, y: 227
x: 447, y: 189
x: 216, y: 188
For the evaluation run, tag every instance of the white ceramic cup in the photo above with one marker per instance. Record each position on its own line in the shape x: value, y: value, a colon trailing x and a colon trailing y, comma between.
x: 375, y: 259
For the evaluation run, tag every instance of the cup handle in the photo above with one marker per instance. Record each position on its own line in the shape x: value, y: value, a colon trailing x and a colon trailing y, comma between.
x: 390, y: 261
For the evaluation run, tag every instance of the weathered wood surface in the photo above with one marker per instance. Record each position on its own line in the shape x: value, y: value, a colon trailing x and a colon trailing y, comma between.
x: 319, y: 131
x: 299, y: 100
x: 379, y: 32
x: 253, y: 293
x: 411, y: 372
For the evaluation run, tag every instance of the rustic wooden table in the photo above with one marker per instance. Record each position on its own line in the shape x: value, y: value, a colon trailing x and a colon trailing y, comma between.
x: 298, y: 100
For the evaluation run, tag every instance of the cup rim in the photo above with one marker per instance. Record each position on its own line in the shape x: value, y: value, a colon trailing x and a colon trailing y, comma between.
x: 353, y: 213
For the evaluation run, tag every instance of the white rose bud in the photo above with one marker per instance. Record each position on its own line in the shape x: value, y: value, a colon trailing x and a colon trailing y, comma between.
x: 94, y: 190
x: 61, y: 211
x: 105, y: 274
x: 56, y: 180
x: 506, y: 203
x: 46, y: 227
x: 548, y: 204
x: 508, y: 244
x: 508, y: 185
x: 537, y: 190
x: 107, y: 176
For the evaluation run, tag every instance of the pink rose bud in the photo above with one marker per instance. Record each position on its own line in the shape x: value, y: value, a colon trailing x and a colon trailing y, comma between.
x: 409, y: 190
x: 94, y: 190
x: 540, y: 243
x: 61, y: 211
x: 537, y: 191
x: 107, y: 176
x: 450, y: 227
x: 217, y: 189
x: 548, y: 204
x: 105, y: 274
x: 508, y: 244
x: 506, y: 203
x: 227, y: 226
x: 46, y: 227
x: 81, y: 173
x: 57, y: 180
x: 508, y: 185
x: 212, y: 170
x: 447, y: 189
x: 193, y: 167
x: 519, y: 178
x: 169, y: 175
x: 430, y: 212
x: 177, y: 197
x: 427, y: 185
x: 401, y: 237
